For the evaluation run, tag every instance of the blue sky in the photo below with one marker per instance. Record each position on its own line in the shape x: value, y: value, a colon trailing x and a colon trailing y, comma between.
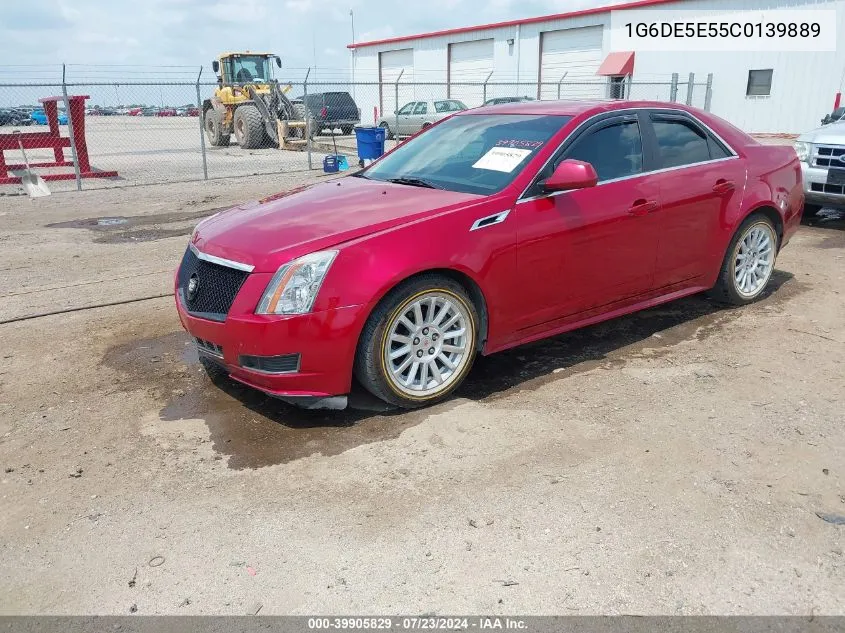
x: 36, y: 36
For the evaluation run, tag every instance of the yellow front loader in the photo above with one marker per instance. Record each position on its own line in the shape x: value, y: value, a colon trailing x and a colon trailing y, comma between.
x: 249, y: 102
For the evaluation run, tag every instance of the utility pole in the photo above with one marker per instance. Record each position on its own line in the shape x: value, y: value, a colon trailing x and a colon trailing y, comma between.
x: 352, y: 51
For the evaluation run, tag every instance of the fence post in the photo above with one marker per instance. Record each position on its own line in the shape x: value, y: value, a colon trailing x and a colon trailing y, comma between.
x: 70, y: 132
x: 708, y: 92
x: 560, y: 81
x: 202, y: 129
x: 673, y: 89
x: 307, y: 117
x: 484, y: 98
x: 396, y: 98
x: 690, y: 87
x: 629, y: 82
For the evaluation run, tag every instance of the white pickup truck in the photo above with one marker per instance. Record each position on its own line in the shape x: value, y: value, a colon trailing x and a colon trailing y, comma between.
x: 822, y: 155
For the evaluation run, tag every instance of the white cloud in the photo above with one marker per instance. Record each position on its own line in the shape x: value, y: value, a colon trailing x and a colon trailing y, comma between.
x: 300, y: 6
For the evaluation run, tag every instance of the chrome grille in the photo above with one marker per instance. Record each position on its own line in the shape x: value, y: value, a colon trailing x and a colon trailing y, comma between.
x: 829, y: 156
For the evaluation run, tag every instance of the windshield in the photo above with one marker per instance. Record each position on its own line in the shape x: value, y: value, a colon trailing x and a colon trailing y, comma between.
x: 251, y: 68
x: 471, y: 154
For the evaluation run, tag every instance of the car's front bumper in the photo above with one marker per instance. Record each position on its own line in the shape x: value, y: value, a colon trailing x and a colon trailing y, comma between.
x: 817, y: 189
x: 324, y: 341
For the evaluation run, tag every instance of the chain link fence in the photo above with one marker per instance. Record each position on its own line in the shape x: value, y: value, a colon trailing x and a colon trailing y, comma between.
x: 154, y: 132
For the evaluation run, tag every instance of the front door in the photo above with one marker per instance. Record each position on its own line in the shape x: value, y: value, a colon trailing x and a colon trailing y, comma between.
x: 583, y: 249
x: 418, y: 118
x: 404, y: 117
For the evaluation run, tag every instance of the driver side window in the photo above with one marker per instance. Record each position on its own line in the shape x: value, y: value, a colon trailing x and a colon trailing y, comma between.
x: 614, y: 151
x: 406, y: 109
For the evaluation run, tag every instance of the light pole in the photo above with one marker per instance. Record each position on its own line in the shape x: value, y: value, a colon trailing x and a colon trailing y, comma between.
x: 352, y: 51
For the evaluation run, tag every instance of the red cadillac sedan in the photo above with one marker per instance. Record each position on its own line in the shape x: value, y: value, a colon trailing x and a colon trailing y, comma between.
x: 495, y: 227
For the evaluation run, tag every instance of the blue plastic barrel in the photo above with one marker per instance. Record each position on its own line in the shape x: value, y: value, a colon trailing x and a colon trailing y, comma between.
x: 370, y: 142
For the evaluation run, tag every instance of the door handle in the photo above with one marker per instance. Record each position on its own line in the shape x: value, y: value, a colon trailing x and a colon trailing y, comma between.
x: 642, y: 207
x: 723, y: 186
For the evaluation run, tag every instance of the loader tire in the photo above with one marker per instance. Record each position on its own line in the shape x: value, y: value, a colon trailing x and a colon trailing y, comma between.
x: 300, y: 113
x: 214, y: 129
x: 249, y: 128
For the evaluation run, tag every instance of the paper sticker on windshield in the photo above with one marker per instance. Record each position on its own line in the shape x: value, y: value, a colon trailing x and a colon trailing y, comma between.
x: 502, y: 159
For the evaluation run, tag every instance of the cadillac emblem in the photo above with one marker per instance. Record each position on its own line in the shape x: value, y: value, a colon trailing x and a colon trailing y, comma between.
x: 193, y: 287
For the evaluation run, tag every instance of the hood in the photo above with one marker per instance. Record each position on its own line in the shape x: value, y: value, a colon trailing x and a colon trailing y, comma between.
x: 830, y: 134
x: 270, y: 232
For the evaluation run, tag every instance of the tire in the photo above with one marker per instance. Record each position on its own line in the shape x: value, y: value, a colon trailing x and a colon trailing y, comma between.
x: 346, y: 130
x: 386, y: 126
x: 214, y: 128
x: 733, y: 287
x: 249, y: 128
x: 811, y: 209
x: 445, y: 343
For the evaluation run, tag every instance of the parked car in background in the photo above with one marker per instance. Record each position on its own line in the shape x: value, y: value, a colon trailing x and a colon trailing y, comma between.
x: 39, y: 117
x: 496, y: 227
x: 187, y: 112
x: 165, y: 112
x: 500, y: 100
x: 134, y: 111
x: 837, y: 115
x: 822, y: 155
x: 330, y: 111
x: 15, y: 116
x: 149, y: 111
x: 414, y: 116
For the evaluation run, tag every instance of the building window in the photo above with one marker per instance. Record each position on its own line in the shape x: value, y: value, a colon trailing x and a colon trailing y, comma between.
x: 759, y: 83
x: 617, y: 87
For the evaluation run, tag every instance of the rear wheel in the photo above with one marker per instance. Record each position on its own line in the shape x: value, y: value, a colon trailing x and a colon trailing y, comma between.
x: 346, y: 130
x: 749, y: 262
x: 214, y: 128
x: 249, y: 128
x: 419, y: 343
x: 386, y: 127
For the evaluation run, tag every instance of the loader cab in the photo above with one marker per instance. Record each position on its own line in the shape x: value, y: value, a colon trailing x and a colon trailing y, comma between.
x: 245, y: 68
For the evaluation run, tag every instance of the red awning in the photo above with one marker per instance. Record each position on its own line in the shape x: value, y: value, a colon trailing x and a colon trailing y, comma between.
x: 621, y: 63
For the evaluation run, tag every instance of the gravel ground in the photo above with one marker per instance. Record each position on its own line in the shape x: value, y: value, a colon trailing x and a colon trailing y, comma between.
x: 673, y: 461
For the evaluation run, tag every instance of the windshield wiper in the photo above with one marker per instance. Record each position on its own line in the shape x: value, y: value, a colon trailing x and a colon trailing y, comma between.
x: 413, y: 182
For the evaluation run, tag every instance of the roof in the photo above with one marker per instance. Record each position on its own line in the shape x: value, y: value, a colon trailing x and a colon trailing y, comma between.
x: 570, y: 108
x: 637, y: 4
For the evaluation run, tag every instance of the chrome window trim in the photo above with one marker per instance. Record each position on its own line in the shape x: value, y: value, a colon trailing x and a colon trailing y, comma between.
x: 611, y: 114
x: 632, y: 176
x: 220, y: 261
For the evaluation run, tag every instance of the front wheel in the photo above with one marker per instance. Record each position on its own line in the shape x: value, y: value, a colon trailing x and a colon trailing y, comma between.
x: 749, y: 262
x: 386, y: 127
x: 419, y: 343
x: 214, y: 128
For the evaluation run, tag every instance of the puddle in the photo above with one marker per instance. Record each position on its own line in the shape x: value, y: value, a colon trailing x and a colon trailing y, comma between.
x: 252, y: 429
x: 142, y: 228
x: 255, y: 430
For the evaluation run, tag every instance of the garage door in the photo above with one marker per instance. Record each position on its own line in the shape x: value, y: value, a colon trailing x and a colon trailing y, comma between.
x: 469, y: 63
x: 392, y: 63
x: 576, y: 52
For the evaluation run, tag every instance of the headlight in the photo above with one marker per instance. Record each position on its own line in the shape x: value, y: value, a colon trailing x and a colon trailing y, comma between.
x: 803, y: 151
x: 294, y: 287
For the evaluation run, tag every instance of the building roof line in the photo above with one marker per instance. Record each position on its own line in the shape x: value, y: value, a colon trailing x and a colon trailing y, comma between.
x: 637, y: 4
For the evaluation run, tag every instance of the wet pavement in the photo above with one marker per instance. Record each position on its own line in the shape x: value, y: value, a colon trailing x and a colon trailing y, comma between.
x: 251, y: 429
x: 140, y: 228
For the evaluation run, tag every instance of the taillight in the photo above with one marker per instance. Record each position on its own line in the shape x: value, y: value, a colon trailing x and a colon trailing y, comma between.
x: 324, y: 112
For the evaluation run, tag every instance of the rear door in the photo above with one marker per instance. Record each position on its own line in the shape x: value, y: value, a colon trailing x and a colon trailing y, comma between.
x: 701, y: 181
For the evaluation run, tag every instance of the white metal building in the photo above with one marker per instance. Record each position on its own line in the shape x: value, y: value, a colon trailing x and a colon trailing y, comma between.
x: 759, y: 91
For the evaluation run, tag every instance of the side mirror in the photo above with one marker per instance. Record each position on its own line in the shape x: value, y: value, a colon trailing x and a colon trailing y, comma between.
x: 571, y: 174
x: 215, y: 66
x: 278, y: 61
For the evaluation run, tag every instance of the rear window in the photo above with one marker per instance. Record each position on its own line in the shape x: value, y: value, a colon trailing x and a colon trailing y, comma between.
x: 449, y: 106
